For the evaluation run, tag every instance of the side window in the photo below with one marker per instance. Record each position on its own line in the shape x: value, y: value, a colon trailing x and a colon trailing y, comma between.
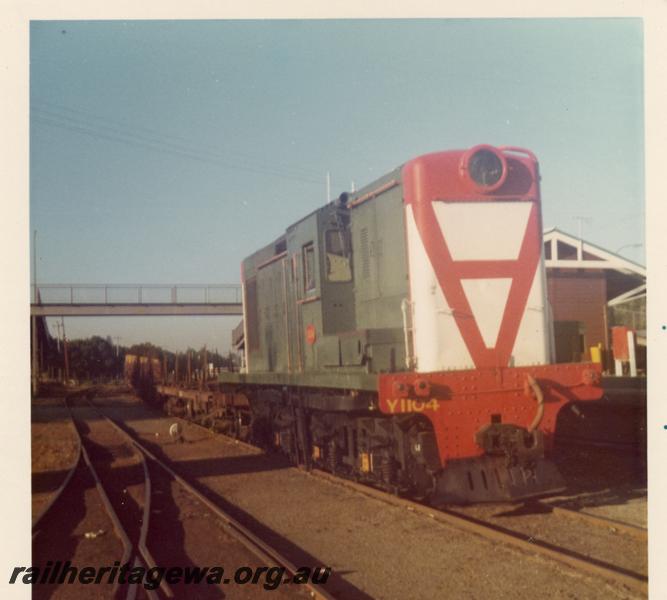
x: 308, y: 267
x: 338, y: 264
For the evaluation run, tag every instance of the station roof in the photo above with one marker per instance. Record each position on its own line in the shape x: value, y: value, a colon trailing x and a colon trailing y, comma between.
x: 564, y: 250
x: 626, y: 279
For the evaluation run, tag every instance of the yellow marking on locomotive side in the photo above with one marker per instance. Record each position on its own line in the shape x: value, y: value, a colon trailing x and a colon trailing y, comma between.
x: 365, y: 462
x: 403, y: 405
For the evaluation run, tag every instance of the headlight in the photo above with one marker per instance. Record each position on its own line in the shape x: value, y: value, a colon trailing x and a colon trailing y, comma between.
x: 485, y: 166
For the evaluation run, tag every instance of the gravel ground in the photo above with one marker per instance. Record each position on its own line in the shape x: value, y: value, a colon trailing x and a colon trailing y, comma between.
x: 118, y: 466
x: 606, y: 544
x: 610, y: 480
x: 178, y: 523
x: 375, y: 549
x: 78, y: 511
x: 54, y: 449
x: 605, y: 482
x: 633, y: 511
x: 63, y: 538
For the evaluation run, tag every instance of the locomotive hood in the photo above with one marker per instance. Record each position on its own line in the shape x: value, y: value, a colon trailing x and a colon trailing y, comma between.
x: 477, y: 286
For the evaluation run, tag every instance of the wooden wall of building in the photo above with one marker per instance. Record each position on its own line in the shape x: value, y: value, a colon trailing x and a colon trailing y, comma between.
x: 578, y: 296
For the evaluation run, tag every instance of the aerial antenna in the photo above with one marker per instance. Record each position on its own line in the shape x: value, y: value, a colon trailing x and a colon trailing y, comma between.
x: 581, y: 220
x: 580, y: 248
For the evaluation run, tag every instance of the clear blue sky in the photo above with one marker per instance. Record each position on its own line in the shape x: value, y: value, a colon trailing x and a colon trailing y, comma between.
x: 165, y: 152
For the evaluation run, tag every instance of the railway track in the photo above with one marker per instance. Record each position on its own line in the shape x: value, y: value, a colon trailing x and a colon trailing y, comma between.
x: 637, y: 582
x: 80, y: 477
x: 263, y: 551
x: 634, y: 537
x: 614, y: 525
x: 117, y: 469
x: 129, y: 482
x: 39, y: 519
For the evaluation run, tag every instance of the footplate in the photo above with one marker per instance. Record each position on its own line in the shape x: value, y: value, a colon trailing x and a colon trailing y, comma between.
x: 490, y: 479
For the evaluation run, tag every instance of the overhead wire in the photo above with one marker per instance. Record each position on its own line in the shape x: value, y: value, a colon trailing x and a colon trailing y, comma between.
x: 164, y: 149
x: 161, y: 143
x: 87, y: 115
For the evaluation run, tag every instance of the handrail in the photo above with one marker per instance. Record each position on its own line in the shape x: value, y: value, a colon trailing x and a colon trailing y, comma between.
x: 408, y: 340
x: 140, y: 293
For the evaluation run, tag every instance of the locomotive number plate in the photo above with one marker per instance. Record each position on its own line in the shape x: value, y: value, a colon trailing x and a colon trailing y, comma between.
x: 406, y: 405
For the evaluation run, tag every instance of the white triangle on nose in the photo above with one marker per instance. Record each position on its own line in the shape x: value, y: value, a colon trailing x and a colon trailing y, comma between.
x: 483, y: 230
x: 487, y: 299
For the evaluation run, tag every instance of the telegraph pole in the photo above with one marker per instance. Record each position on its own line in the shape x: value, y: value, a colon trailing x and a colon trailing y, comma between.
x: 35, y: 367
x: 60, y: 370
x: 34, y: 264
x: 204, y: 372
x: 58, y: 337
x: 35, y: 337
x: 65, y: 349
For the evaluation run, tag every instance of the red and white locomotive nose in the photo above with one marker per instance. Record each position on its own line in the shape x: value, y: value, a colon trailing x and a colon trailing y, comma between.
x: 477, y: 290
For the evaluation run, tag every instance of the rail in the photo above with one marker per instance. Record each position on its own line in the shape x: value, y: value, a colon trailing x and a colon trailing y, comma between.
x: 121, y: 533
x: 262, y: 549
x: 61, y: 488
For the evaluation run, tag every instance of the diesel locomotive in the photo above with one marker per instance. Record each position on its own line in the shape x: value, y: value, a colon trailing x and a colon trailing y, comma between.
x: 401, y: 335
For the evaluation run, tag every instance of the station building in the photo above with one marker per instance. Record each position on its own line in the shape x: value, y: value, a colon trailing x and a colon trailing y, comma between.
x: 591, y: 290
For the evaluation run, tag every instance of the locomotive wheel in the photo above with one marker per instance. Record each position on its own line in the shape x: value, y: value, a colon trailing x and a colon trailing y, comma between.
x: 423, y: 483
x: 260, y: 432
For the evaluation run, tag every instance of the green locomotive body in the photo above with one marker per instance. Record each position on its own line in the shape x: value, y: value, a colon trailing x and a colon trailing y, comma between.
x: 400, y: 334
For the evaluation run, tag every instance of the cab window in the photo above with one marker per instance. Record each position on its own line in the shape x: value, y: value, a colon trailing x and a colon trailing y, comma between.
x: 308, y: 267
x: 337, y: 251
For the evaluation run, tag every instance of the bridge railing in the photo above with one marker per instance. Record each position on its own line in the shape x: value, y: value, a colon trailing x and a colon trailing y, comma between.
x: 125, y: 293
